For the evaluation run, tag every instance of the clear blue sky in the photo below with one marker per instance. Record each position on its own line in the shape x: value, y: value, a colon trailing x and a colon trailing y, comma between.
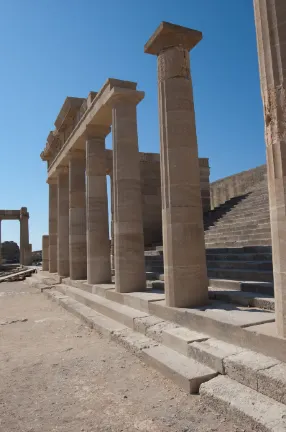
x: 51, y: 49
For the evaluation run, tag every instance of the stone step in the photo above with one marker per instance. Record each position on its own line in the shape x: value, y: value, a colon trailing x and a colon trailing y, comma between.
x: 249, y: 299
x: 240, y: 274
x: 260, y: 223
x: 223, y: 231
x: 236, y: 274
x: 252, y: 287
x: 238, y: 244
x: 242, y: 265
x: 121, y: 313
x: 260, y: 257
x: 244, y: 406
x: 262, y: 288
x: 235, y: 237
x: 187, y: 373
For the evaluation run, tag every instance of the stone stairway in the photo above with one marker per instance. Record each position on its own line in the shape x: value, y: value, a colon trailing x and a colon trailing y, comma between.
x: 238, y: 244
x: 214, y: 350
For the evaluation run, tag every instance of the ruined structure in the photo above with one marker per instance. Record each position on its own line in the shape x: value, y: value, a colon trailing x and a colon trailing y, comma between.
x: 207, y: 335
x: 22, y: 216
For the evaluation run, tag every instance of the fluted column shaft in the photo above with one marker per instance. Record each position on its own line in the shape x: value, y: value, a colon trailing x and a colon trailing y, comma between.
x: 98, y: 246
x: 128, y: 227
x: 63, y: 222
x: 270, y: 19
x: 77, y: 216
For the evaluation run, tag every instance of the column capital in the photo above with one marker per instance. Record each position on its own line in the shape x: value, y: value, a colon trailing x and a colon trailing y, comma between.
x: 52, y: 180
x: 96, y: 131
x: 169, y: 35
x: 63, y: 169
x: 24, y: 212
x: 119, y: 96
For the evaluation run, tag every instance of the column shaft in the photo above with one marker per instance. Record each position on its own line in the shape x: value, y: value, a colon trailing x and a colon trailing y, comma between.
x: 77, y: 216
x: 0, y: 245
x: 25, y: 255
x: 63, y: 222
x: 270, y: 18
x: 98, y: 246
x: 128, y: 228
x: 185, y: 271
x: 53, y: 226
x: 45, y: 253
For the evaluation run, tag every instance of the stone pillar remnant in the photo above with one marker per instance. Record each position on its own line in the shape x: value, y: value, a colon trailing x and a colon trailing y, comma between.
x: 270, y: 19
x: 77, y: 215
x: 25, y: 256
x: 98, y: 245
x: 185, y: 271
x: 128, y: 227
x: 63, y: 221
x: 45, y: 253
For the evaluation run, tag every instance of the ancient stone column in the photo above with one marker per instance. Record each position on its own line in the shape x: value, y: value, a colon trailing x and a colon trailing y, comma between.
x: 270, y: 18
x: 45, y: 253
x: 98, y: 245
x: 53, y: 224
x: 77, y: 215
x: 24, y: 237
x: 185, y: 271
x: 128, y: 227
x: 63, y: 221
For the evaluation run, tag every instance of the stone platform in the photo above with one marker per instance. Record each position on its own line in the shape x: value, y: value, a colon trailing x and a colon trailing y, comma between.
x: 190, y: 346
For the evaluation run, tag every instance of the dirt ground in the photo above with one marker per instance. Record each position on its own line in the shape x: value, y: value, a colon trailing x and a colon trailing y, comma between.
x: 58, y: 375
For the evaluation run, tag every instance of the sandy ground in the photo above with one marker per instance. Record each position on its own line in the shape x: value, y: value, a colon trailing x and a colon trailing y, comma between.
x: 58, y: 375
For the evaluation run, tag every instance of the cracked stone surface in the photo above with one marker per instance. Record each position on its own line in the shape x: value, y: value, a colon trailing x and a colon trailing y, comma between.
x: 58, y: 375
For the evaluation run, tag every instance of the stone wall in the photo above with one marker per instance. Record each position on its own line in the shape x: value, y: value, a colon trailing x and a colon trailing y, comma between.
x: 236, y: 185
x: 151, y: 192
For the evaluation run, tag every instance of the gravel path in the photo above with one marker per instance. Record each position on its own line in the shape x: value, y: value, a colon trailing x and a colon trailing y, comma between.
x: 58, y: 375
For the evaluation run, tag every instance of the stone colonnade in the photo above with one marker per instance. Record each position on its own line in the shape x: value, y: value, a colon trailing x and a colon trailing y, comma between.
x: 79, y: 244
x: 270, y: 19
x: 25, y: 247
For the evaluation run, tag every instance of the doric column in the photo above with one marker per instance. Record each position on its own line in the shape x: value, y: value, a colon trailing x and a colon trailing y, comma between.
x: 128, y: 227
x: 98, y: 246
x: 24, y: 237
x: 45, y: 253
x: 77, y: 215
x: 53, y: 224
x: 270, y: 18
x: 185, y: 272
x: 63, y: 221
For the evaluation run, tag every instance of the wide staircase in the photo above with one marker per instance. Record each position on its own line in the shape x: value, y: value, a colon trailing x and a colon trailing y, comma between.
x: 238, y: 245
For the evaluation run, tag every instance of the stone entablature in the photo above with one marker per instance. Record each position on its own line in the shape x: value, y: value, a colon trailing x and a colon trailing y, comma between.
x: 73, y: 120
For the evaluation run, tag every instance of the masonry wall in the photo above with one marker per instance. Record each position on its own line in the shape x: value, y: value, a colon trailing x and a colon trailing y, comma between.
x: 236, y: 185
x: 151, y: 192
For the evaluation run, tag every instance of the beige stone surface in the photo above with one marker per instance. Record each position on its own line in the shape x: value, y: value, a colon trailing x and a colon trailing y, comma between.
x: 129, y: 261
x: 58, y: 375
x: 270, y: 18
x: 45, y: 253
x: 53, y: 225
x: 186, y: 282
x: 98, y: 245
x: 63, y: 222
x: 77, y: 216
